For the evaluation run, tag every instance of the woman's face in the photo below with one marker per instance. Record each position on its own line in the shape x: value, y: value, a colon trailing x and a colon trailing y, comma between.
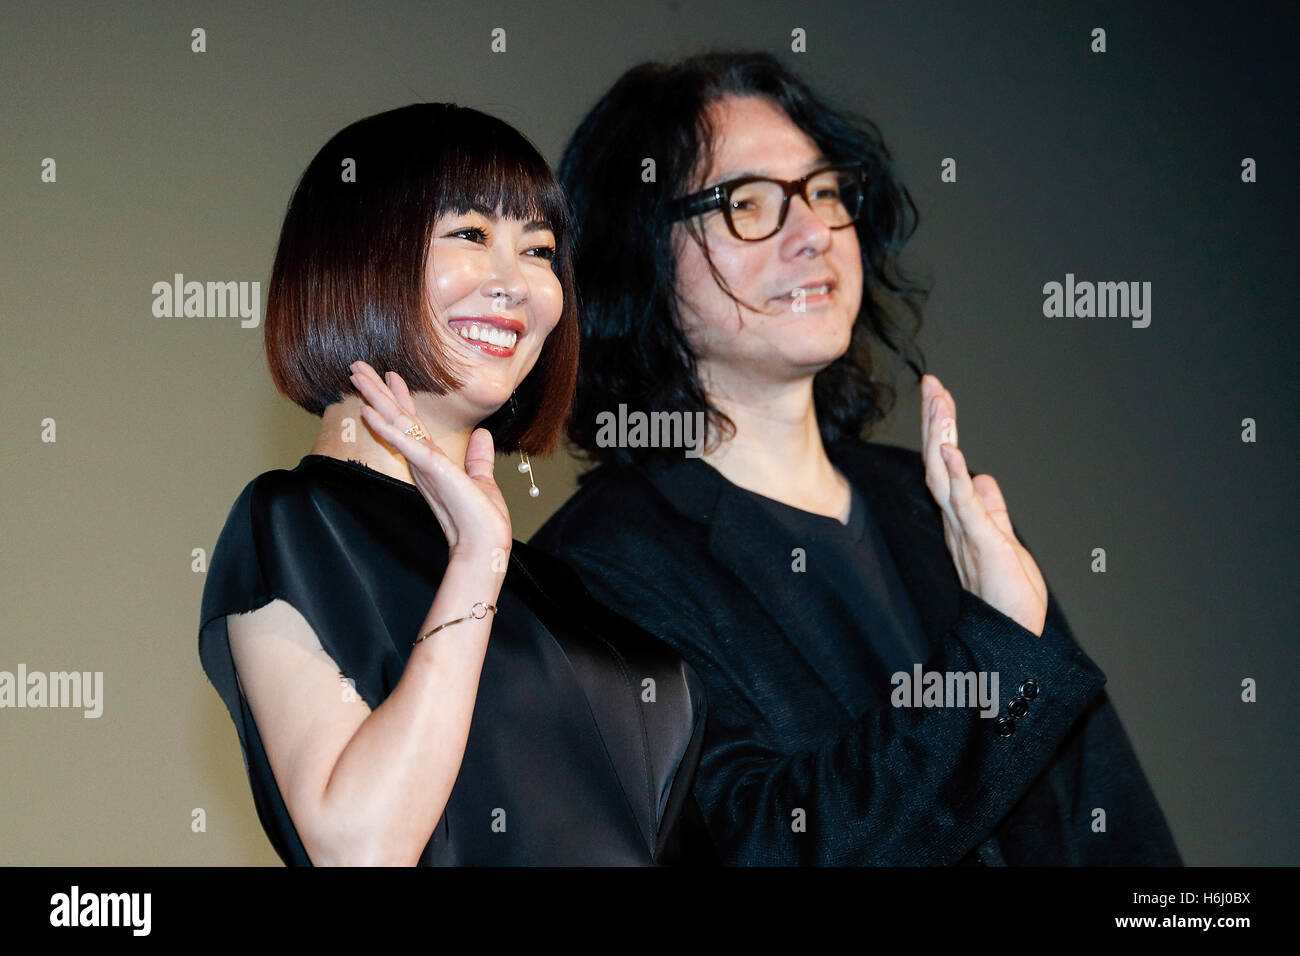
x: 494, y: 300
x: 785, y: 336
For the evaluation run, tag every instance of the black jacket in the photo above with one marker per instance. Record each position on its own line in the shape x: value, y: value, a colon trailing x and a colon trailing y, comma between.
x: 669, y: 545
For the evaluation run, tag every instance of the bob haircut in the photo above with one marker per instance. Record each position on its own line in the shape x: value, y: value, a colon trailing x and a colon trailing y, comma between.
x: 349, y: 277
x: 634, y: 350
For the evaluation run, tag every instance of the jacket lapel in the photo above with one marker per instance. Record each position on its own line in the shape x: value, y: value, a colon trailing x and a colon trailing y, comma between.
x: 912, y: 526
x: 912, y: 531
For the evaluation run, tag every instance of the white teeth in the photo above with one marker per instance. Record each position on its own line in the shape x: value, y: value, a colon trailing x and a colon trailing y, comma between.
x: 486, y: 333
x: 809, y: 290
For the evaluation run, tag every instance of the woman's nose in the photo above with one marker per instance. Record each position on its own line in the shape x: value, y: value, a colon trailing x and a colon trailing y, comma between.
x: 506, y: 283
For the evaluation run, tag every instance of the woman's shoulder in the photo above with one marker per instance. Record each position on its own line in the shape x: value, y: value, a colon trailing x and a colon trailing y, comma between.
x: 290, y: 492
x: 284, y: 521
x: 312, y: 493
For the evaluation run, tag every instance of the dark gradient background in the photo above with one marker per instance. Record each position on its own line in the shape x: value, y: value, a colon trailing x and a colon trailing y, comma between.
x: 1117, y: 166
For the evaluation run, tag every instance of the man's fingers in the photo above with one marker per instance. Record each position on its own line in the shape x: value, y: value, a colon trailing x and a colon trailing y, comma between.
x: 989, y: 493
x: 936, y: 470
x: 928, y: 388
x: 966, y: 505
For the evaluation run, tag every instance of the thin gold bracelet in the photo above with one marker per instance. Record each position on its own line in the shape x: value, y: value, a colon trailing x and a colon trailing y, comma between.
x: 477, y: 612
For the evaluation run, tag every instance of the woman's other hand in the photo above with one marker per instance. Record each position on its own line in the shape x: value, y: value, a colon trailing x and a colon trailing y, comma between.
x: 991, y: 563
x: 466, y: 500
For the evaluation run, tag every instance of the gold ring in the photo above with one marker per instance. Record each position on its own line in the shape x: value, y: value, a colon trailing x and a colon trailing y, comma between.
x: 415, y: 432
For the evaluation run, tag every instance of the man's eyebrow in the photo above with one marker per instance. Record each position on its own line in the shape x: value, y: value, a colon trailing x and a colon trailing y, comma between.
x: 820, y: 160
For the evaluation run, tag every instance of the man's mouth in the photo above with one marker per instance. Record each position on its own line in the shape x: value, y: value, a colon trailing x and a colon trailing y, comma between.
x: 809, y: 291
x: 495, y: 335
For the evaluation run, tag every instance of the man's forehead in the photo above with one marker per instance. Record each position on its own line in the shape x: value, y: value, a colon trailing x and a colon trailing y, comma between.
x: 745, y: 142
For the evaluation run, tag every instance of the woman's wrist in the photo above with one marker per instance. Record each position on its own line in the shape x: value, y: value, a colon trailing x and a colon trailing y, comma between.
x: 468, y: 555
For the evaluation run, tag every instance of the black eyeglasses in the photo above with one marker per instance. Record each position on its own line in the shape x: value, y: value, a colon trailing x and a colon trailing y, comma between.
x: 755, y: 207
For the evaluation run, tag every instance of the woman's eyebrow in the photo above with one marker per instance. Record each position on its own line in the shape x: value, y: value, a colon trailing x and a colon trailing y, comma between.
x: 532, y: 225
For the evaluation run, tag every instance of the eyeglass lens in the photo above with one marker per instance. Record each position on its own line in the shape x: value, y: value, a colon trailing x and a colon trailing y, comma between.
x: 754, y: 208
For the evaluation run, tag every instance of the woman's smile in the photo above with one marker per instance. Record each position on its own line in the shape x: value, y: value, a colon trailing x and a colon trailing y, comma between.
x: 491, y: 334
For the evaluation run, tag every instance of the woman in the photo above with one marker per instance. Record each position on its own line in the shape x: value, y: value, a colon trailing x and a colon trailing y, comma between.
x: 411, y: 686
x: 814, y: 580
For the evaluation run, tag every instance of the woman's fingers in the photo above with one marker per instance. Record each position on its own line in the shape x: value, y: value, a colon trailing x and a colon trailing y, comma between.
x: 400, y: 392
x: 376, y: 393
x: 381, y: 399
x: 480, y: 455
x: 422, y: 452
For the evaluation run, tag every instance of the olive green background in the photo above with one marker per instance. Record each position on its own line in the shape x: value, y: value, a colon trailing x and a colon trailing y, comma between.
x: 1116, y: 166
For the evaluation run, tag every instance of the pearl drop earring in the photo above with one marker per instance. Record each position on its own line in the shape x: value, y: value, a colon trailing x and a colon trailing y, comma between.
x: 526, y: 465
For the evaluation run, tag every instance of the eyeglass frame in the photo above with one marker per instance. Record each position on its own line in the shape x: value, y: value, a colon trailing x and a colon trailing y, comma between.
x: 719, y: 197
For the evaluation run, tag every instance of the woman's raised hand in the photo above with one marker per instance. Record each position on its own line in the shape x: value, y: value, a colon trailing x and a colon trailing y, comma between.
x: 991, y: 563
x: 466, y: 500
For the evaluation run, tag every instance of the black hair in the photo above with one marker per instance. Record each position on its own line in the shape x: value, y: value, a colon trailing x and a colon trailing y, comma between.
x: 633, y: 347
x: 349, y: 276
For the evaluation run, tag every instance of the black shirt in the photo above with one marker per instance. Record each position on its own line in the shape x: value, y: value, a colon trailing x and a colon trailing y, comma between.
x: 567, y: 762
x: 844, y: 577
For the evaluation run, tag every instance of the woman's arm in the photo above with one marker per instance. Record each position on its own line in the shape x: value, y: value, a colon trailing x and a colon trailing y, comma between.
x: 362, y: 787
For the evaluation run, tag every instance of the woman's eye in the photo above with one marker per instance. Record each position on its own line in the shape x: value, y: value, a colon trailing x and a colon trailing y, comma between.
x: 472, y: 233
x: 542, y: 252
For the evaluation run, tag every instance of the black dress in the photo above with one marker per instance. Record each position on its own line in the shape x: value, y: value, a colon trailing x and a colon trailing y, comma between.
x: 586, y: 730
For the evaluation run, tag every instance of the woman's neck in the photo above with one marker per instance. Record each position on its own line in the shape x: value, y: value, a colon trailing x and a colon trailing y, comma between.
x: 344, y: 434
x: 777, y: 451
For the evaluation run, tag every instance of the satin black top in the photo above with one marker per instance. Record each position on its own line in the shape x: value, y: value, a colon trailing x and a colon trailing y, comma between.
x: 586, y: 730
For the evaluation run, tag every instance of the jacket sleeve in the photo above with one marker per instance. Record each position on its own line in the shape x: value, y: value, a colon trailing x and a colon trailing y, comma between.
x: 1099, y: 799
x: 902, y: 785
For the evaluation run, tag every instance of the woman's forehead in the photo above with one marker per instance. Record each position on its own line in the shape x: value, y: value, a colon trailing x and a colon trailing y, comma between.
x: 530, y: 220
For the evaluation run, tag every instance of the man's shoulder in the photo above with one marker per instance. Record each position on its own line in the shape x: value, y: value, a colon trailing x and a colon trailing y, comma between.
x: 612, y: 506
x: 880, y: 461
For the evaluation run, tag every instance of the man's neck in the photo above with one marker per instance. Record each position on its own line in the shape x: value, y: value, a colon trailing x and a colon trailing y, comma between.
x: 777, y: 452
